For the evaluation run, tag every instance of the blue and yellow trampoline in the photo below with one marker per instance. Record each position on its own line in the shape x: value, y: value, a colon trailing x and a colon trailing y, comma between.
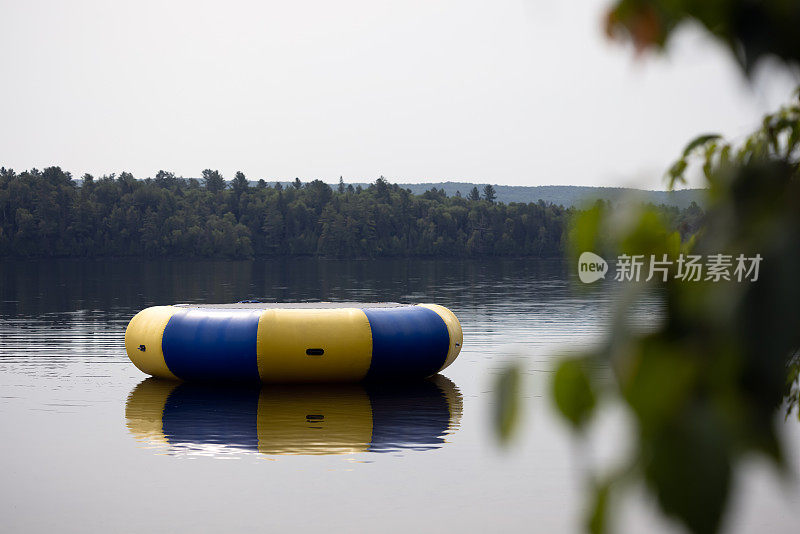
x: 301, y: 342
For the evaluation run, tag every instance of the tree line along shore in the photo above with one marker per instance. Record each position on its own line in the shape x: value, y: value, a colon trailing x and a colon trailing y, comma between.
x: 48, y: 214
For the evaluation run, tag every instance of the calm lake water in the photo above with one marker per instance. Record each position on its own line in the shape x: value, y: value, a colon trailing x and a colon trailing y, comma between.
x: 91, y: 445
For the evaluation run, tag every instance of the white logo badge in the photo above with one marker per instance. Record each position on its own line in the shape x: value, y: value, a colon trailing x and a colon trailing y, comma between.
x: 591, y: 267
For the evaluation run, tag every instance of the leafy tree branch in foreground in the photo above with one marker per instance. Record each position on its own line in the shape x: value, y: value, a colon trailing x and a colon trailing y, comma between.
x: 711, y: 383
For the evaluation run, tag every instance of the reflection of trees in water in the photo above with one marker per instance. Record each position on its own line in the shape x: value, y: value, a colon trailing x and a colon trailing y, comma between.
x: 118, y: 288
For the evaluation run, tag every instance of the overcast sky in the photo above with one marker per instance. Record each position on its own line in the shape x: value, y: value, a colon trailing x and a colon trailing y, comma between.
x: 520, y: 92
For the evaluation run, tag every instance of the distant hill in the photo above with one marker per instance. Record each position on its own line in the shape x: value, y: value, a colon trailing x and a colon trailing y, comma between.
x: 564, y: 195
x: 561, y: 195
x: 569, y: 195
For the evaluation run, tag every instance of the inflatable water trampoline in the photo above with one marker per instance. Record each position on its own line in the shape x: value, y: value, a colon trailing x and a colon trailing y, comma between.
x: 301, y: 342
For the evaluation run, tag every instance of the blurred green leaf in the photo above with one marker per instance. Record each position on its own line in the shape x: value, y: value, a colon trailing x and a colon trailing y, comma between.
x: 656, y: 381
x: 675, y: 173
x: 689, y: 468
x: 647, y: 234
x: 598, y: 513
x: 585, y: 233
x: 749, y: 30
x: 507, y: 402
x: 674, y: 244
x: 572, y: 392
x: 697, y: 142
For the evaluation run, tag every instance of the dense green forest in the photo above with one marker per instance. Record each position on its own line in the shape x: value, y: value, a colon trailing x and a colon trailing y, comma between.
x: 47, y: 213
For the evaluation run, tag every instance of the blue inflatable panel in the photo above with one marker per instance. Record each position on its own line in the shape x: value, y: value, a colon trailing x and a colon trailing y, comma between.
x: 406, y: 342
x: 203, y: 414
x: 201, y: 345
x: 415, y: 416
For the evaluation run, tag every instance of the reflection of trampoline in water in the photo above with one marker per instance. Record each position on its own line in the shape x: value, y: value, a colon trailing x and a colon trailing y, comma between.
x: 188, y: 418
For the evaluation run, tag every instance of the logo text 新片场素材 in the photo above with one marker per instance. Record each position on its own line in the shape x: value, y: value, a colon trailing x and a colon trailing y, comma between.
x: 686, y: 267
